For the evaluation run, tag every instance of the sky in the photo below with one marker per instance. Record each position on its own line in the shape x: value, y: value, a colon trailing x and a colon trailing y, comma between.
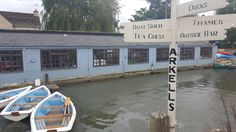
x: 128, y: 7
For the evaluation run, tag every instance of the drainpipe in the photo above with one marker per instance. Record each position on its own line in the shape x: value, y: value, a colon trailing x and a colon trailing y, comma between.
x: 46, y: 78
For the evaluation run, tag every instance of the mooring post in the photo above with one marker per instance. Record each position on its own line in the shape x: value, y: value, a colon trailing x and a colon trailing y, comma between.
x: 159, y: 122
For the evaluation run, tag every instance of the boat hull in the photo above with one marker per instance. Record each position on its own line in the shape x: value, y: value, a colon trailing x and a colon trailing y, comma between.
x: 16, y: 118
x: 5, y: 102
x: 39, y: 125
x: 22, y: 106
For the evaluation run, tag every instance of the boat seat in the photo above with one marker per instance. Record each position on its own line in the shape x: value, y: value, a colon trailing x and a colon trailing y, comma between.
x: 35, y: 96
x: 53, y: 107
x: 50, y: 127
x: 52, y: 116
x: 32, y: 103
x: 40, y: 124
x: 15, y: 108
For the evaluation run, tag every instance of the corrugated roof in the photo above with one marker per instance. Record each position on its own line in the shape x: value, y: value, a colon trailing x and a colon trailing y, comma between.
x: 21, y: 20
x: 25, y: 38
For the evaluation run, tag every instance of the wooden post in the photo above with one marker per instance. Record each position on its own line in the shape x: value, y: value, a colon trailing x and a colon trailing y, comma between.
x: 159, y: 122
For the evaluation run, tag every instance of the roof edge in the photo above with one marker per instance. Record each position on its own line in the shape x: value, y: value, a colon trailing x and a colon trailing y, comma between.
x: 60, y: 32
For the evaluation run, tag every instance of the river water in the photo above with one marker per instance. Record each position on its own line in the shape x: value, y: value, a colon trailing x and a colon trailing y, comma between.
x: 125, y: 104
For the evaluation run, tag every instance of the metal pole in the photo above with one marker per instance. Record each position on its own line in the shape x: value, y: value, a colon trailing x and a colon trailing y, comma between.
x: 173, y: 68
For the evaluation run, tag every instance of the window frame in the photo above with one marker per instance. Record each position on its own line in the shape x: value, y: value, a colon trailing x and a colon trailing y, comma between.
x: 56, y: 57
x: 139, y: 57
x: 162, y: 56
x: 184, y: 53
x: 11, y: 61
x: 206, y: 52
x: 106, y: 57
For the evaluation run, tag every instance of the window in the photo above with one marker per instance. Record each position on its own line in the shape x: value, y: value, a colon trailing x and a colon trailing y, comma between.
x: 136, y: 56
x: 206, y: 52
x: 58, y: 59
x: 11, y: 61
x: 187, y: 53
x: 106, y: 57
x: 162, y: 54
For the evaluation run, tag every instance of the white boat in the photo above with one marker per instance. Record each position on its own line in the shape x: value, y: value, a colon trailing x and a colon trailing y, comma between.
x: 23, y: 105
x: 9, y: 95
x: 55, y: 113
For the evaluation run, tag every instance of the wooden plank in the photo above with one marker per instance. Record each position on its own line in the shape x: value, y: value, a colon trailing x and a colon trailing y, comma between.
x: 52, y: 116
x: 53, y: 107
x: 53, y: 87
x: 32, y: 103
x: 50, y: 127
x: 53, y: 120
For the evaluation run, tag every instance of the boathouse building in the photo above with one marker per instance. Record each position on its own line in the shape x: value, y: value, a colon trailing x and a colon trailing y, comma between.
x: 49, y: 55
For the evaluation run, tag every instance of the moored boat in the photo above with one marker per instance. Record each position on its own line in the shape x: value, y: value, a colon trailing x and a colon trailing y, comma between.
x: 218, y: 55
x: 54, y: 113
x: 9, y: 95
x: 23, y: 105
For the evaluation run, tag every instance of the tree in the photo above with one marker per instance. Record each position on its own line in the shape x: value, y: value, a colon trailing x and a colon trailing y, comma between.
x: 80, y: 15
x: 230, y: 41
x: 158, y: 9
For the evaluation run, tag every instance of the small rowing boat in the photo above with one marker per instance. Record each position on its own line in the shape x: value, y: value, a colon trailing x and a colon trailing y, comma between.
x: 55, y: 113
x: 9, y: 95
x: 23, y: 105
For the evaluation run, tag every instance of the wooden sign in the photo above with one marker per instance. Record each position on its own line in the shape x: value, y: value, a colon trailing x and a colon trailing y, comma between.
x: 145, y: 25
x: 207, y: 34
x: 201, y: 28
x: 199, y: 6
x: 148, y: 36
x: 202, y: 22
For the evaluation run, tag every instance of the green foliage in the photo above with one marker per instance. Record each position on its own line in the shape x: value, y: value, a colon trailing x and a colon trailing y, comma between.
x: 229, y: 9
x: 231, y: 34
x: 80, y: 15
x: 158, y: 9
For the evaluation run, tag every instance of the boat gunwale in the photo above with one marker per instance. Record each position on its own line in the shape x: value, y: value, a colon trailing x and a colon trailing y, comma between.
x: 63, y: 128
x: 7, y: 113
x: 27, y: 88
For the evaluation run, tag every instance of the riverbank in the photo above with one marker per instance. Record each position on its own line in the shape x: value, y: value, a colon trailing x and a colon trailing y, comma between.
x: 107, y: 77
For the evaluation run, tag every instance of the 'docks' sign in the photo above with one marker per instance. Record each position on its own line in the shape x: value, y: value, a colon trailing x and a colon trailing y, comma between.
x: 179, y: 28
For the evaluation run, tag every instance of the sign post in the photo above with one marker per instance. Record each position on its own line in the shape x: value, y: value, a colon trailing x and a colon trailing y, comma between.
x: 172, y: 72
x: 178, y: 29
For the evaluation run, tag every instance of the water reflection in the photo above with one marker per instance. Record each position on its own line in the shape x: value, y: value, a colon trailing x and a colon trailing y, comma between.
x: 98, y: 120
x: 22, y: 126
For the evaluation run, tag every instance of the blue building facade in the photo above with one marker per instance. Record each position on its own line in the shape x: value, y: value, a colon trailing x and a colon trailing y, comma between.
x: 29, y: 55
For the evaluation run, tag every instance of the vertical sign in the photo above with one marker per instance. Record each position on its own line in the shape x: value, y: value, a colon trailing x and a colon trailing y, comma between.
x: 172, y: 72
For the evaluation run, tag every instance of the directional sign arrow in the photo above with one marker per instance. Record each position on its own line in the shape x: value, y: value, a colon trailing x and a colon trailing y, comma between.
x: 199, y: 6
x: 145, y: 25
x: 148, y: 36
x: 202, y: 22
x: 207, y: 34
